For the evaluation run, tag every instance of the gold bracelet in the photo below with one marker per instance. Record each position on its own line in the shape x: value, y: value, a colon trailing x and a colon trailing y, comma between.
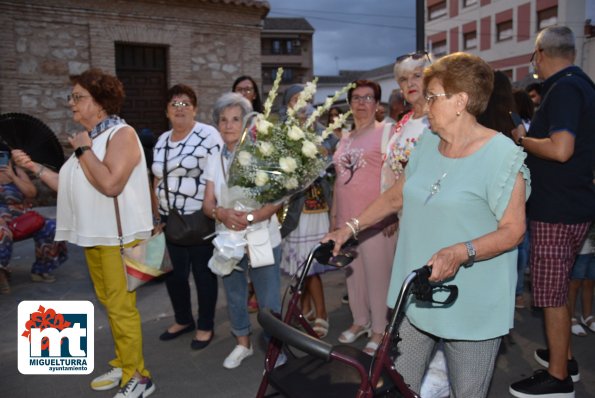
x: 355, y: 222
x: 352, y: 228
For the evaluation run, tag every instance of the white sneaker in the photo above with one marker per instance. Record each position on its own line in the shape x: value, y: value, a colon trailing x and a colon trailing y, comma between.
x: 136, y: 388
x: 235, y: 358
x: 108, y: 380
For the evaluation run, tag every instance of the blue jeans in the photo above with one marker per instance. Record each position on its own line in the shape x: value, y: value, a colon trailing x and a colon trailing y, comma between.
x: 267, y: 286
x: 522, y: 262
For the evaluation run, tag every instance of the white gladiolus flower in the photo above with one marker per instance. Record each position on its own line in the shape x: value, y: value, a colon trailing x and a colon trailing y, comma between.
x: 309, y: 149
x: 291, y: 183
x: 261, y: 178
x: 244, y: 158
x: 266, y: 148
x: 295, y: 133
x: 287, y: 164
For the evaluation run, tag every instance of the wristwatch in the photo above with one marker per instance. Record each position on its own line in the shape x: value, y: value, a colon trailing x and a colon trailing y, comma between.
x: 520, y: 140
x: 78, y: 152
x: 471, y: 253
x: 250, y: 218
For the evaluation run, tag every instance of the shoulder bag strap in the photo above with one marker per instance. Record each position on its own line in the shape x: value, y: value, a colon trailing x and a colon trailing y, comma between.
x: 165, y: 186
x: 117, y: 207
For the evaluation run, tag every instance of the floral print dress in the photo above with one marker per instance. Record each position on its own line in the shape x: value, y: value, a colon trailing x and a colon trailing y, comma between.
x: 48, y: 253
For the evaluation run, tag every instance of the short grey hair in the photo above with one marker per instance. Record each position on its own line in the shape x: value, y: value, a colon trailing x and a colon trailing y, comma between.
x: 409, y: 65
x: 556, y: 41
x: 229, y: 100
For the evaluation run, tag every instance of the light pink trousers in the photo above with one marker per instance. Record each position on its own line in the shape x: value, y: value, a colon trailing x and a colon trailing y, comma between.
x: 368, y: 277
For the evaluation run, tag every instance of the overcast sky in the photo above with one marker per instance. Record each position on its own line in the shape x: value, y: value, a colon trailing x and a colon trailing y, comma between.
x: 354, y: 34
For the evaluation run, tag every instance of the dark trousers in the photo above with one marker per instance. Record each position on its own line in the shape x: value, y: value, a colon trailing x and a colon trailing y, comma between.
x: 195, y: 258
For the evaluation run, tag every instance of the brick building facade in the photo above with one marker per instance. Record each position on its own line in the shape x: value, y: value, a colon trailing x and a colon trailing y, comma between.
x: 203, y: 43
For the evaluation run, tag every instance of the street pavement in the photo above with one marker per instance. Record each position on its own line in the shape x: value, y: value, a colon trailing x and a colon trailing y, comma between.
x: 180, y: 372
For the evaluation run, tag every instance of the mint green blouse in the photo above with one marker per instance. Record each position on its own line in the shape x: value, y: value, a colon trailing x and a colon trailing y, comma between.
x: 472, y: 198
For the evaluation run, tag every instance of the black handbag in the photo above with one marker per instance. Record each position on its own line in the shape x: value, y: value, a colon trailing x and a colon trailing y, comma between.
x: 186, y: 229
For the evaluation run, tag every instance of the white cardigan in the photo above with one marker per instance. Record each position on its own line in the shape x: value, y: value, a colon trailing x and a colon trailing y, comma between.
x: 87, y: 217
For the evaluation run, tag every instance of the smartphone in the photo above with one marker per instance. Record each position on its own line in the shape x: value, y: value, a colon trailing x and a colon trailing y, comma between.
x: 516, y: 119
x: 4, y: 158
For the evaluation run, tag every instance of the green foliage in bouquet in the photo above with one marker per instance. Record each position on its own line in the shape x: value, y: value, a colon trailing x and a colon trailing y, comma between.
x: 275, y: 160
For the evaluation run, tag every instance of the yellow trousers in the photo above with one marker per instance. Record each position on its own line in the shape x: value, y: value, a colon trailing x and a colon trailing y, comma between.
x: 109, y: 280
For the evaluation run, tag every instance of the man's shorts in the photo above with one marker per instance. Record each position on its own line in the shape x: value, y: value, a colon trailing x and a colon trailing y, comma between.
x: 553, y: 250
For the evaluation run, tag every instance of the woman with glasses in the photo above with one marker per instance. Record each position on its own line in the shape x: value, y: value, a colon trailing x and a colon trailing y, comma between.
x: 229, y: 112
x: 108, y: 163
x: 409, y: 74
x: 181, y: 155
x: 246, y: 86
x: 463, y: 197
x: 358, y: 162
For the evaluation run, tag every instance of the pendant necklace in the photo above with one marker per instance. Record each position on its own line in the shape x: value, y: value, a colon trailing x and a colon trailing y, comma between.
x: 435, y: 187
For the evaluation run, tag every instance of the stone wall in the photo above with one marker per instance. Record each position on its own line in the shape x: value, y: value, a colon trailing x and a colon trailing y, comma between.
x: 209, y: 44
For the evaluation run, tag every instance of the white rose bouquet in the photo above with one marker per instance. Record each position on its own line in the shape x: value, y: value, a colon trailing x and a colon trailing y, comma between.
x: 276, y: 160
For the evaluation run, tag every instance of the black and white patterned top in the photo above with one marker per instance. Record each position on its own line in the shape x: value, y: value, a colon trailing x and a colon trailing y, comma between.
x: 186, y: 162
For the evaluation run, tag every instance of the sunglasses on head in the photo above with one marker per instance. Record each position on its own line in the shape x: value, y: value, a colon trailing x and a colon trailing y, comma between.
x: 414, y: 56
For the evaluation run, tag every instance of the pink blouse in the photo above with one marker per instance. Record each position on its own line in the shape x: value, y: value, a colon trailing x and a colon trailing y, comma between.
x: 358, y: 161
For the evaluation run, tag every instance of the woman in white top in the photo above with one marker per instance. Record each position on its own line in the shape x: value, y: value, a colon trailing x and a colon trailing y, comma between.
x: 108, y: 162
x: 228, y: 113
x: 408, y: 72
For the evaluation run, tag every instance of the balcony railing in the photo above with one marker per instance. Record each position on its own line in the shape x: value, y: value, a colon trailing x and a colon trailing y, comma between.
x: 282, y: 51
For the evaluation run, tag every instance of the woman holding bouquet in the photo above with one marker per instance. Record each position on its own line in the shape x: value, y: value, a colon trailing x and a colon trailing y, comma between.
x: 358, y: 163
x: 228, y: 114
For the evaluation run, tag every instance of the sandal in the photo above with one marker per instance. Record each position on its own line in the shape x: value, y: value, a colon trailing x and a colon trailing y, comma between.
x: 577, y: 329
x: 349, y: 337
x: 310, y: 316
x: 321, y: 327
x: 589, y: 322
x: 371, y: 348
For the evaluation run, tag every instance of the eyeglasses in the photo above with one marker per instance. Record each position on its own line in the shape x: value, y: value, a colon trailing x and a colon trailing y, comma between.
x: 431, y: 97
x: 533, y: 55
x: 414, y: 56
x: 244, y: 90
x: 180, y: 104
x: 75, y: 98
x: 366, y: 99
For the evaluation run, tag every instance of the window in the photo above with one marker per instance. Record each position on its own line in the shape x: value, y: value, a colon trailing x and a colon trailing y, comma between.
x: 469, y: 3
x: 269, y: 75
x: 276, y: 47
x: 547, y: 17
x: 470, y: 40
x: 439, y: 48
x: 437, y: 10
x: 504, y: 31
x: 289, y: 47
